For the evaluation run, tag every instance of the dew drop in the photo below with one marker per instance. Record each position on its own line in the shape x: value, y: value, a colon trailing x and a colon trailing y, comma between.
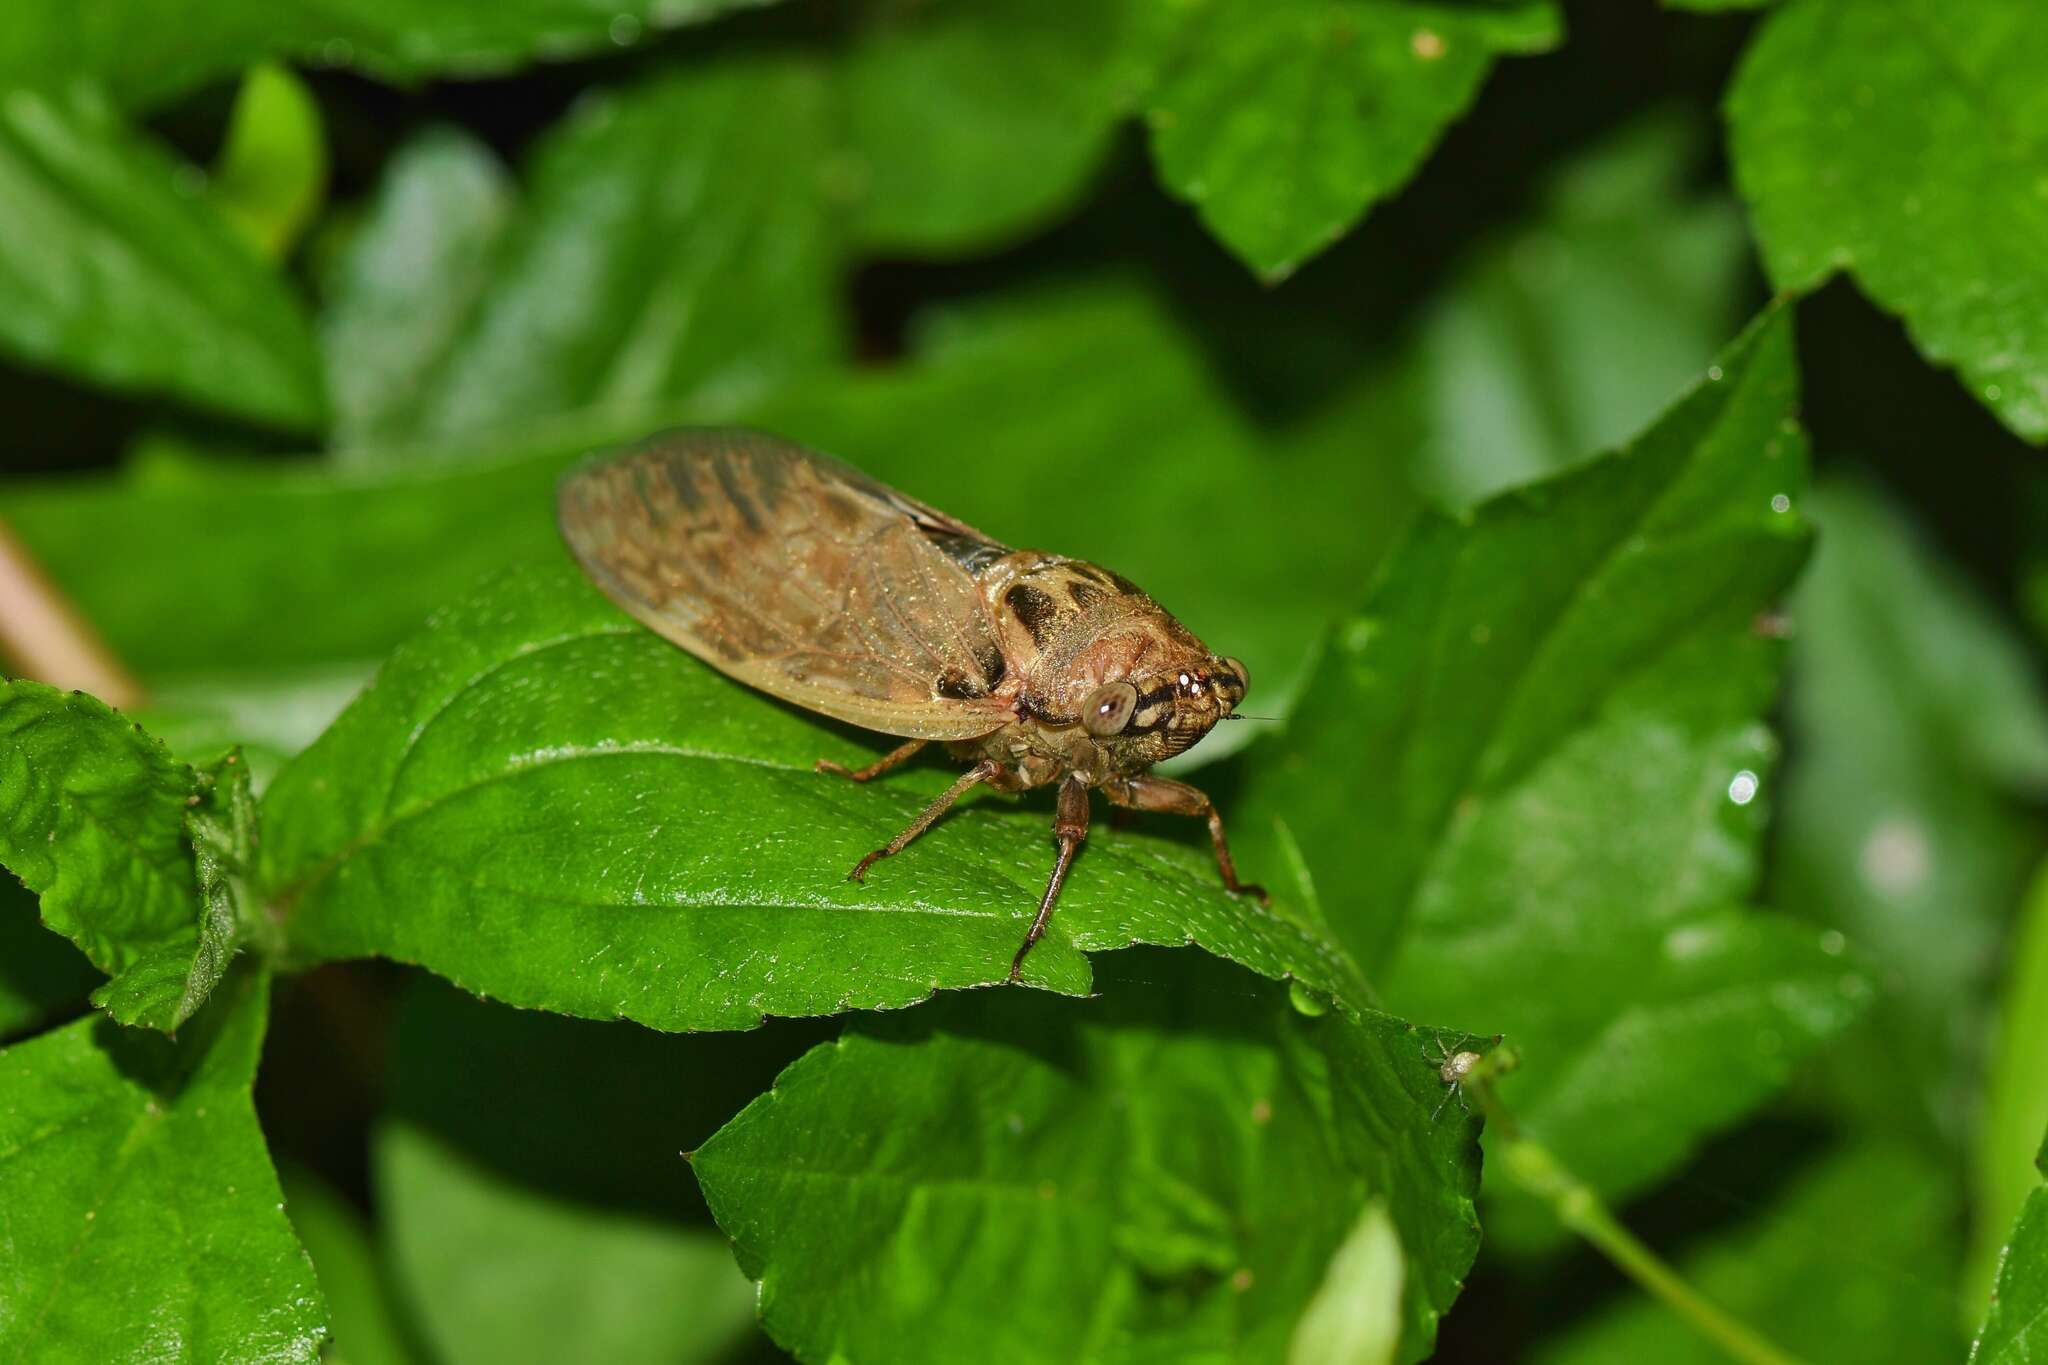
x: 624, y: 30
x: 1713, y: 374
x: 1742, y: 787
x: 1780, y: 503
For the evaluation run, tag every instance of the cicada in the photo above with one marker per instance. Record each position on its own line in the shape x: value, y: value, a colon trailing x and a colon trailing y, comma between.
x: 799, y: 575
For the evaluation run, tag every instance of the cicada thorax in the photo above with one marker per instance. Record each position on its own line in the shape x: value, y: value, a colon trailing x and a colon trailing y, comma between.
x: 1067, y: 630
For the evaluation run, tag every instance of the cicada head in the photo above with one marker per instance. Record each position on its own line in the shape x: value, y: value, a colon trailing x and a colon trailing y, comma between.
x: 1151, y: 716
x: 1106, y: 680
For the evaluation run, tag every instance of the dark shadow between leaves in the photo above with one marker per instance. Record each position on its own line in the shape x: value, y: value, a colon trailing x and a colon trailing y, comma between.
x: 164, y: 1064
x: 44, y: 980
x: 593, y: 1113
x: 1511, y: 1301
x: 1180, y: 992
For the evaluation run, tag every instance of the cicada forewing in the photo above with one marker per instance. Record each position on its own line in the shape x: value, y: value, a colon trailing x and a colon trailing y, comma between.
x: 796, y: 574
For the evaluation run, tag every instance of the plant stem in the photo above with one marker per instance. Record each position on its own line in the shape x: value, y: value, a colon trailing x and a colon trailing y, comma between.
x: 1536, y: 1170
x: 43, y: 635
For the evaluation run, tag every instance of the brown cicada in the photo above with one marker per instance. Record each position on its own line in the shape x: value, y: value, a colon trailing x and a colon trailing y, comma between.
x: 801, y: 576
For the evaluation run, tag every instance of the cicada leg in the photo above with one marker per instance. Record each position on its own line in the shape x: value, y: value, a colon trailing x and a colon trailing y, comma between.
x: 1069, y: 828
x: 873, y: 770
x: 979, y: 773
x: 1148, y: 792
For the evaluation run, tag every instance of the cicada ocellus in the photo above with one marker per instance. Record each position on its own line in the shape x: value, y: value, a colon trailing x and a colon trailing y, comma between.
x: 797, y: 574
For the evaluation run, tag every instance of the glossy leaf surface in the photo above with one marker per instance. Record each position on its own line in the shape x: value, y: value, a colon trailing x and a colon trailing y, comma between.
x: 143, y: 1217
x: 1161, y: 1173
x: 1550, y: 717
x: 1901, y: 142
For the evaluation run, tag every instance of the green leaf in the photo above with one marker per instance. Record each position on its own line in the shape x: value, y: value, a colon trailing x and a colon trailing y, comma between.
x: 2016, y: 1330
x: 404, y: 284
x: 363, y: 1326
x: 94, y: 818
x: 1564, y: 335
x: 1534, y: 756
x: 117, y: 271
x: 1355, y: 1316
x: 1903, y: 142
x: 151, y: 53
x: 143, y: 1217
x: 1283, y: 121
x: 1917, y: 719
x: 1847, y: 1257
x: 500, y: 1272
x: 1161, y: 1173
x: 2015, y: 1102
x: 303, y: 565
x: 968, y: 124
x: 673, y: 247
x: 658, y: 837
x: 2014, y: 1333
x: 41, y: 975
x: 273, y: 169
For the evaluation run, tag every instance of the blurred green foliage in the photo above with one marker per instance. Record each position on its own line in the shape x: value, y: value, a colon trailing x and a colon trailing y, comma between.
x: 1425, y: 355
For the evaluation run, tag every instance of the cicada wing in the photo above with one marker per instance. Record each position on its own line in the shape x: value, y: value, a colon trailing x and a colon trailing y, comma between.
x: 796, y: 574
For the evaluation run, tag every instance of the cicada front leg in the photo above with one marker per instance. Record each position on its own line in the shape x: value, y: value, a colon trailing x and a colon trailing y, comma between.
x: 1069, y: 828
x: 979, y: 773
x: 1149, y: 792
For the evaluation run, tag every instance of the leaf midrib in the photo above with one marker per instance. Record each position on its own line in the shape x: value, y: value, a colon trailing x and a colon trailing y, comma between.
x: 281, y: 901
x: 147, y: 1119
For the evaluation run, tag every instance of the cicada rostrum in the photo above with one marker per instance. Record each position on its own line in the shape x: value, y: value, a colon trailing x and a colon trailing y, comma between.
x: 797, y: 574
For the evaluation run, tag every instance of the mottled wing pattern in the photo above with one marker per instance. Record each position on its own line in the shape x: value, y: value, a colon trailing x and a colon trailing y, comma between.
x: 796, y: 574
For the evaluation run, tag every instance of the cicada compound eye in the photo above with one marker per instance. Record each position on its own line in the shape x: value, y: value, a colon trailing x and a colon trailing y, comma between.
x: 1108, y: 709
x: 1237, y: 678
